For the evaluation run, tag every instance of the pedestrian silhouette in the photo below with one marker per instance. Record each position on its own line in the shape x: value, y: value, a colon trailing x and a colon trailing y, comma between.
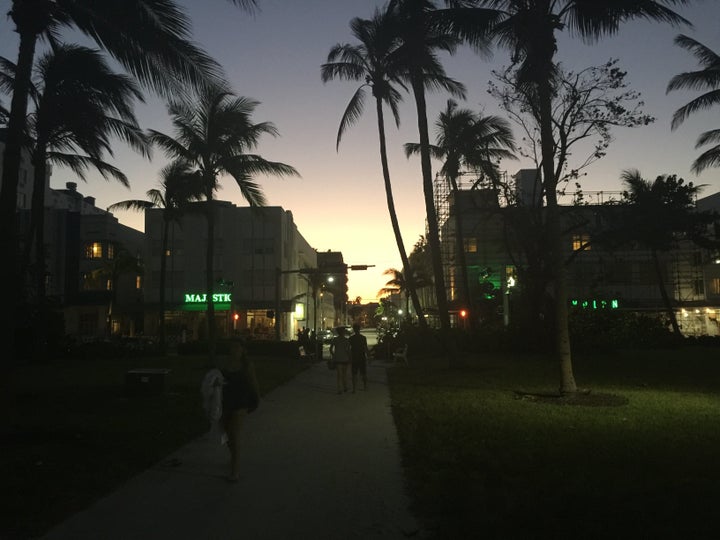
x: 340, y: 355
x: 359, y: 354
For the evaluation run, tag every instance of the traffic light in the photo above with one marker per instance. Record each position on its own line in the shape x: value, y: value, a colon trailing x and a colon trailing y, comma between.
x: 463, y: 313
x: 236, y: 316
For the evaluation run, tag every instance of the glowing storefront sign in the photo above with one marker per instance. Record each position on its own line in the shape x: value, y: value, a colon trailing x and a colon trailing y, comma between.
x: 198, y: 301
x: 595, y: 304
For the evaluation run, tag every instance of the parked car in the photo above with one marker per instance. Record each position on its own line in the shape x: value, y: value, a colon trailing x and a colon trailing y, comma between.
x: 327, y: 334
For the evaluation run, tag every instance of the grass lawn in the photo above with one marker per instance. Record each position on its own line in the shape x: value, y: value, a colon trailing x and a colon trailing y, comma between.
x: 483, y: 462
x: 69, y: 433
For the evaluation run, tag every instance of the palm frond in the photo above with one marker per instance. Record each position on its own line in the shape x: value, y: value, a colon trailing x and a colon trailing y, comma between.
x: 592, y: 19
x: 352, y: 113
x: 709, y: 158
x: 150, y: 38
x: 134, y: 204
x: 705, y: 101
x: 80, y: 164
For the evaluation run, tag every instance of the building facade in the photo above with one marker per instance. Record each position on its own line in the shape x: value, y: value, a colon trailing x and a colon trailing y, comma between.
x: 502, y: 245
x: 260, y: 292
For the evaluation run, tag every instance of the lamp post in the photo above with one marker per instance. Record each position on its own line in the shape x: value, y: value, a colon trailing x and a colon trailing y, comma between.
x: 314, y: 277
x: 508, y: 283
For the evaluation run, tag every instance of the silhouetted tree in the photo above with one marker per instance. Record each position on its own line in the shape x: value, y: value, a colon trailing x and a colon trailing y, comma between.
x: 707, y: 78
x: 79, y: 106
x: 149, y: 38
x: 374, y: 62
x: 528, y: 28
x: 178, y: 187
x: 656, y: 213
x: 214, y: 136
x: 467, y: 141
x: 421, y: 38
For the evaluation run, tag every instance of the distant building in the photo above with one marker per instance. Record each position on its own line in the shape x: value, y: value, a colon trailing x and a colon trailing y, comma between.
x: 93, y: 266
x: 257, y: 254
x: 501, y: 243
x: 332, y: 265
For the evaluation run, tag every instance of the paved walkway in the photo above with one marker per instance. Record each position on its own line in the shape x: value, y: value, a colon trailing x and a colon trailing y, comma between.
x: 317, y: 465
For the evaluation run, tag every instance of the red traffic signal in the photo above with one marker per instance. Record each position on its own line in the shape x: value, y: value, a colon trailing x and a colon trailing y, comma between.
x: 463, y: 313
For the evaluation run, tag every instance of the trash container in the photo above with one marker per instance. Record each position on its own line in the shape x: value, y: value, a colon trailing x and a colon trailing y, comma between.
x: 145, y: 381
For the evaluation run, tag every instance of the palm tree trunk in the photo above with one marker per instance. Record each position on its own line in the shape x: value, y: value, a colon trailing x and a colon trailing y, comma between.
x: 10, y: 273
x: 163, y: 279
x: 664, y: 294
x: 38, y: 219
x: 210, y: 282
x: 407, y: 271
x: 557, y: 263
x: 38, y: 224
x: 433, y: 232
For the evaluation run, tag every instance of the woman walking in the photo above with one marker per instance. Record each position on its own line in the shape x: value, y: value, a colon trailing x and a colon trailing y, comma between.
x: 240, y: 396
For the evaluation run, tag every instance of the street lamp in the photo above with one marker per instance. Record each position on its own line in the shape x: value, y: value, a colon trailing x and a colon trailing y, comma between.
x: 314, y: 275
x: 508, y: 283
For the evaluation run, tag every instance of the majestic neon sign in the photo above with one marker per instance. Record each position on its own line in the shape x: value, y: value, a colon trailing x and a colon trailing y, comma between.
x: 217, y: 298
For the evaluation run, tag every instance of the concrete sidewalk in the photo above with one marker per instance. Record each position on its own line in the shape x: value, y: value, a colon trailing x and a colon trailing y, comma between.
x: 316, y: 465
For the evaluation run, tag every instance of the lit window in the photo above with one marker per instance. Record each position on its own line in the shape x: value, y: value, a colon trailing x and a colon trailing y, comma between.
x: 93, y: 250
x: 109, y: 285
x: 581, y: 242
x: 715, y: 285
x: 111, y: 251
x: 138, y: 282
x: 470, y: 245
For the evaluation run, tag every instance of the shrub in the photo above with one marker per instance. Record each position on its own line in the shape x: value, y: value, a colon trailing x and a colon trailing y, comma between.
x: 604, y: 330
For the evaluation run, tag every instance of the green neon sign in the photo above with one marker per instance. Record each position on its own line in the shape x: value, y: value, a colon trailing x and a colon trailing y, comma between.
x: 217, y: 298
x: 198, y: 302
x: 595, y: 304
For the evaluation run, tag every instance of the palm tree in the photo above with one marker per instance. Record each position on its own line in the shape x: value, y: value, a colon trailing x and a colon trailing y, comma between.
x: 656, y: 211
x: 213, y: 136
x: 399, y: 284
x: 149, y: 38
x: 528, y: 28
x: 177, y: 188
x: 421, y: 262
x: 421, y: 37
x: 708, y: 78
x: 80, y: 104
x: 372, y: 61
x: 466, y: 140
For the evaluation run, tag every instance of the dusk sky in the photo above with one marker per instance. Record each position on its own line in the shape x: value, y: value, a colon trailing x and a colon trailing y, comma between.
x: 275, y: 55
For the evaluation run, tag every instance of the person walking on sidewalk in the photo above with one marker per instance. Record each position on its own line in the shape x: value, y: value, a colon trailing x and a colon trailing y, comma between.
x: 359, y: 354
x: 340, y: 354
x: 240, y: 396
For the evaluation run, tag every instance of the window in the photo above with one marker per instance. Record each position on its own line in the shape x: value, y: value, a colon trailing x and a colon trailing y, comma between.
x: 111, y: 251
x: 581, y: 242
x: 715, y: 285
x: 93, y: 250
x: 138, y: 282
x: 88, y: 324
x: 470, y: 245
